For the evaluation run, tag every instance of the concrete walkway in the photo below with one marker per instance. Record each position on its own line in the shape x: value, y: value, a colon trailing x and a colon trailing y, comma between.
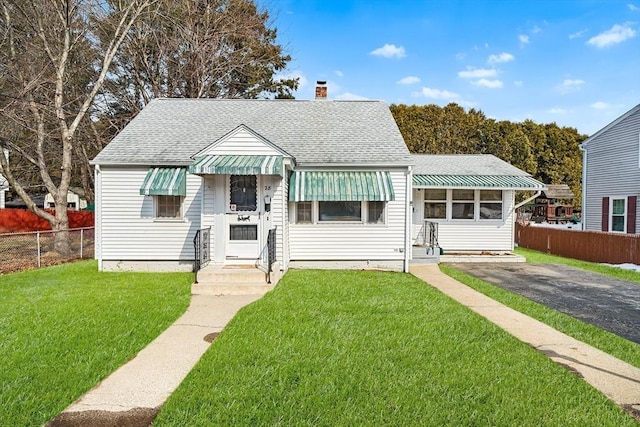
x: 133, y: 395
x: 616, y: 379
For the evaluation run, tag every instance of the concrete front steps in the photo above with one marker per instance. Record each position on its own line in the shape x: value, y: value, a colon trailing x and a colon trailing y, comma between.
x: 218, y: 279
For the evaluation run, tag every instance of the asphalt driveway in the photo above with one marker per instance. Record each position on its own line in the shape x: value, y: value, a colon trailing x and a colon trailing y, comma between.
x: 608, y: 303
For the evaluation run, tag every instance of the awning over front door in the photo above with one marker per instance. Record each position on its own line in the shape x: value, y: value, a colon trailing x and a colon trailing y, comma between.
x: 237, y: 165
x: 341, y: 186
x: 165, y: 182
x: 504, y: 182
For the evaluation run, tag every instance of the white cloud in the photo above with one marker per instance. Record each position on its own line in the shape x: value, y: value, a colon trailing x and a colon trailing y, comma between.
x: 389, y: 51
x: 617, y: 34
x: 339, y: 73
x: 599, y: 105
x: 348, y: 96
x: 302, y: 80
x: 492, y: 84
x: 558, y: 111
x: 569, y: 85
x: 460, y: 56
x: 577, y: 34
x: 477, y: 73
x: 524, y: 39
x: 536, y: 29
x: 437, y: 94
x: 409, y: 80
x: 632, y: 7
x: 518, y: 83
x: 503, y: 57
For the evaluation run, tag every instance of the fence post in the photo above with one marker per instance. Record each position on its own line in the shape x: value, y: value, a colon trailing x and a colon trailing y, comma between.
x: 38, y: 246
x: 81, y: 240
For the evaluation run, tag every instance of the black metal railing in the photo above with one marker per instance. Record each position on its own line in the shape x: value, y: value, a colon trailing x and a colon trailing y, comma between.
x: 202, y: 246
x: 268, y: 255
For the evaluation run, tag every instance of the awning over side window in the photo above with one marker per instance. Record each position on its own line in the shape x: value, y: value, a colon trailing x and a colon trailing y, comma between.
x: 506, y: 182
x: 165, y: 182
x: 341, y: 186
x: 237, y: 165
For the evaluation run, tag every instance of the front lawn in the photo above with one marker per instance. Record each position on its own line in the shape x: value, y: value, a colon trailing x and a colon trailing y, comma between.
x: 67, y: 327
x: 344, y: 348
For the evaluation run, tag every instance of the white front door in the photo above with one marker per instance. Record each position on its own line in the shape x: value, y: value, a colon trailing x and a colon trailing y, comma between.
x: 243, y: 218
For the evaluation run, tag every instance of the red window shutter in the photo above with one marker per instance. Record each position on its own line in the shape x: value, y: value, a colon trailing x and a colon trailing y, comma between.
x: 605, y: 214
x: 631, y: 214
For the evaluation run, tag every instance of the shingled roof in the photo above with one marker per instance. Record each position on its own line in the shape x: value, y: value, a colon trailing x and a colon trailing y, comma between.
x: 558, y: 191
x: 463, y: 164
x: 171, y: 131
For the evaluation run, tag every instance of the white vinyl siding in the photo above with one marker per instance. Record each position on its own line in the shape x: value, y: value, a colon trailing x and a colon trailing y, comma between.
x: 612, y: 166
x: 242, y: 142
x: 467, y: 235
x: 354, y: 241
x: 279, y: 218
x: 129, y: 229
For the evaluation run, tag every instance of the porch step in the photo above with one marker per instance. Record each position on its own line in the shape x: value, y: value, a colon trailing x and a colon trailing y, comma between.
x: 420, y: 255
x: 232, y: 280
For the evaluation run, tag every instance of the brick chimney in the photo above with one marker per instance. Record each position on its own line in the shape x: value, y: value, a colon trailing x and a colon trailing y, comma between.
x: 321, y: 89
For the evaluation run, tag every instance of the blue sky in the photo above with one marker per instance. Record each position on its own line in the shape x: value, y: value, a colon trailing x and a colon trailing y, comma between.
x: 576, y: 63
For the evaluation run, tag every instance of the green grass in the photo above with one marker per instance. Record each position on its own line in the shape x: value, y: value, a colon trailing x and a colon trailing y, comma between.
x: 67, y: 327
x: 347, y: 348
x: 536, y: 257
x: 606, y: 341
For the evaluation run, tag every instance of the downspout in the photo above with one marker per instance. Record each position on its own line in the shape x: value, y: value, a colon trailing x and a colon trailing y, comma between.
x: 97, y: 206
x: 407, y: 219
x: 583, y: 217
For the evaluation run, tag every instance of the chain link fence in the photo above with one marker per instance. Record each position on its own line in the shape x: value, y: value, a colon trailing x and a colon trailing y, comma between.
x: 24, y: 251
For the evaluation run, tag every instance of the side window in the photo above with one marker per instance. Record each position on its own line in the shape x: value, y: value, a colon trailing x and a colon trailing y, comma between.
x: 339, y: 211
x: 435, y: 204
x: 304, y: 212
x: 618, y: 214
x: 376, y: 212
x: 463, y: 204
x: 490, y: 204
x: 168, y: 206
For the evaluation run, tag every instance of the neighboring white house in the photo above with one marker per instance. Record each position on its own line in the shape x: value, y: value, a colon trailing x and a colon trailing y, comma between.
x: 75, y: 200
x: 332, y: 178
x: 470, y: 197
x: 611, y: 176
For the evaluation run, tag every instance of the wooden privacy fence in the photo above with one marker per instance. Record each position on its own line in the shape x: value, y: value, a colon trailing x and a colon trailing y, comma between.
x: 594, y: 246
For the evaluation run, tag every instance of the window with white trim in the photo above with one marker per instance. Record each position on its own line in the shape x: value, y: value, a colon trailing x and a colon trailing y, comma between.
x: 435, y: 203
x: 490, y: 204
x: 463, y: 204
x: 168, y: 206
x: 618, y: 214
x: 369, y: 212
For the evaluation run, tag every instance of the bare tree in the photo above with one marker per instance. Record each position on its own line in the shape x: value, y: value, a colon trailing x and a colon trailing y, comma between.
x: 53, y: 64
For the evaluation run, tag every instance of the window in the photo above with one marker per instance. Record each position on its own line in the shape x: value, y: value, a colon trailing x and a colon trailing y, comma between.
x: 340, y: 211
x: 304, y: 213
x: 490, y: 204
x: 243, y: 232
x: 243, y: 189
x: 618, y: 214
x: 462, y: 206
x: 169, y: 206
x: 376, y: 213
x: 435, y: 205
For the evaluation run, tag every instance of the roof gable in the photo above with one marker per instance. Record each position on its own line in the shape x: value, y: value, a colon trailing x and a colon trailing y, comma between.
x: 242, y: 141
x: 611, y: 125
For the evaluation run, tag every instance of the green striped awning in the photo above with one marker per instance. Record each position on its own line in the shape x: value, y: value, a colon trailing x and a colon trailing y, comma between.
x: 341, y: 186
x: 509, y: 182
x: 165, y: 182
x: 237, y: 165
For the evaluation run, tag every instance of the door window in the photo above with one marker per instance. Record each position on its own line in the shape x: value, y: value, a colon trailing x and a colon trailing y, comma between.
x: 244, y: 192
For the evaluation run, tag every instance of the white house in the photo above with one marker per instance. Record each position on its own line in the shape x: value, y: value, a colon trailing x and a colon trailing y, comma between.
x: 471, y: 198
x: 331, y: 180
x: 75, y: 200
x: 611, y: 176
